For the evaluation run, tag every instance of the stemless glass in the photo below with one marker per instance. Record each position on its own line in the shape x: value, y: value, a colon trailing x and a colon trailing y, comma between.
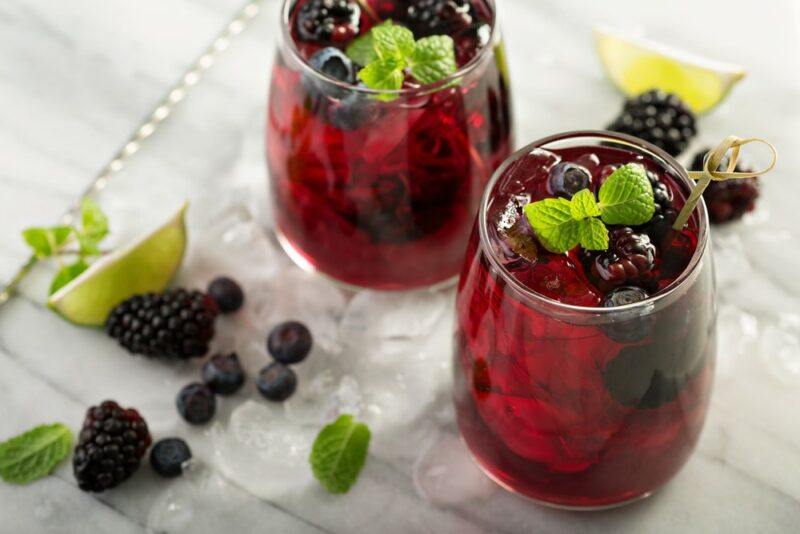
x: 381, y: 193
x: 582, y: 407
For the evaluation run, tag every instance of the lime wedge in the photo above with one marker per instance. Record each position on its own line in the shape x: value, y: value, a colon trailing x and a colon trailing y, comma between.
x: 637, y: 65
x: 147, y: 265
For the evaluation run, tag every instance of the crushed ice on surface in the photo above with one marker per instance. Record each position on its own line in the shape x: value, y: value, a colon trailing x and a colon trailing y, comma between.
x: 445, y: 474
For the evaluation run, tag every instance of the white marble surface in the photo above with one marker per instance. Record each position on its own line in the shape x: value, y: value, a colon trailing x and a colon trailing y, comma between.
x: 75, y: 79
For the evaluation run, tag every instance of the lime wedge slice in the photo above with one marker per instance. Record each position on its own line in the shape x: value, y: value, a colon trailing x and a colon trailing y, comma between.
x: 637, y: 65
x: 147, y: 265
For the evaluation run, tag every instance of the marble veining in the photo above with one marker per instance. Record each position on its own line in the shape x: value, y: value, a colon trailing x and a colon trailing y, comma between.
x: 77, y: 77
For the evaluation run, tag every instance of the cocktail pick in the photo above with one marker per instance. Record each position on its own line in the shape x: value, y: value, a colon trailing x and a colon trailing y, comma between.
x: 711, y: 171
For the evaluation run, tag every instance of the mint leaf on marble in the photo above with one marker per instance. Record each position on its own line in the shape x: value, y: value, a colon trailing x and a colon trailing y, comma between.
x: 94, y: 227
x: 433, y: 59
x: 626, y: 197
x: 35, y: 453
x: 339, y: 453
x: 47, y: 242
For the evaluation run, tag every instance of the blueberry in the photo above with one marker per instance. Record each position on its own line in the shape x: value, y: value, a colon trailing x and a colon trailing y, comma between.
x: 289, y: 342
x: 169, y: 457
x: 227, y: 294
x: 333, y: 63
x: 566, y: 179
x: 352, y: 112
x: 277, y: 382
x: 630, y: 326
x: 223, y: 374
x: 196, y: 404
x: 623, y: 296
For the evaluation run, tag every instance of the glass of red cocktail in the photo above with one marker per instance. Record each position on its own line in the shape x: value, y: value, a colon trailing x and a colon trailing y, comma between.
x: 378, y: 189
x: 582, y: 379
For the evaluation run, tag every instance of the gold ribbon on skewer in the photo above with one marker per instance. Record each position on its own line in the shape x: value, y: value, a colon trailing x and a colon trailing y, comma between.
x: 711, y: 171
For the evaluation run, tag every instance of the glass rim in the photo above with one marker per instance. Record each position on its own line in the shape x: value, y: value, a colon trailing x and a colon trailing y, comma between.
x: 471, y: 65
x: 623, y: 139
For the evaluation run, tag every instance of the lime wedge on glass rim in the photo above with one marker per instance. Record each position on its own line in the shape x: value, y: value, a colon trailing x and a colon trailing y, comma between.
x: 144, y: 266
x: 637, y: 65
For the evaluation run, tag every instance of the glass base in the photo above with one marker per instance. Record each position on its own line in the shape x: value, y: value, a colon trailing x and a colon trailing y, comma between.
x: 298, y: 259
x: 548, y: 504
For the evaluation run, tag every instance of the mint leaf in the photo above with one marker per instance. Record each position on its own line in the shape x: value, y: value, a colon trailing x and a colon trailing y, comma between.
x: 552, y: 220
x: 626, y: 197
x: 67, y: 274
x: 362, y: 49
x: 94, y: 223
x: 35, y: 453
x: 593, y: 234
x: 339, y: 453
x: 433, y: 59
x: 384, y: 74
x: 393, y: 42
x: 46, y: 242
x: 584, y: 205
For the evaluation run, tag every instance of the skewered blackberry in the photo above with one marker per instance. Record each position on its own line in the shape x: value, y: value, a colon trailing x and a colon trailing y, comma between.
x: 728, y: 200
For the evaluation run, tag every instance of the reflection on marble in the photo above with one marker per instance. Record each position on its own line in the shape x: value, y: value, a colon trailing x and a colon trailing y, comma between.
x: 80, y: 75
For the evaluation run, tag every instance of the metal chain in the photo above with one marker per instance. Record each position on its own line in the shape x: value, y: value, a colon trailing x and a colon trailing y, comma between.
x: 151, y: 123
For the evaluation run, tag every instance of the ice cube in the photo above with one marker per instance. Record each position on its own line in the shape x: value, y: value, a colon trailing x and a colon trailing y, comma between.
x: 389, y: 322
x: 263, y: 451
x: 737, y: 333
x: 730, y: 259
x: 445, y: 474
x: 533, y: 167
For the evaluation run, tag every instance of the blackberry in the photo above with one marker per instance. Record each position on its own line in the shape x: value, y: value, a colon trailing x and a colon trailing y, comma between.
x: 438, y: 17
x: 112, y: 442
x: 629, y: 260
x: 169, y: 457
x: 328, y: 21
x: 227, y: 294
x: 276, y: 382
x: 728, y: 200
x: 224, y: 374
x: 659, y: 118
x: 196, y: 404
x: 664, y: 215
x: 176, y: 324
x: 290, y: 342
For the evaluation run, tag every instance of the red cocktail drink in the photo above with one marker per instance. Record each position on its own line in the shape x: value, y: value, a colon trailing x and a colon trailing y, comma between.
x: 379, y: 189
x: 583, y: 379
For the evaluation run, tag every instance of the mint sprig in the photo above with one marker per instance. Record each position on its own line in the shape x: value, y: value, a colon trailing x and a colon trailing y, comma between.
x: 626, y: 197
x: 339, y: 453
x: 35, y: 453
x: 55, y: 242
x: 389, y: 52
